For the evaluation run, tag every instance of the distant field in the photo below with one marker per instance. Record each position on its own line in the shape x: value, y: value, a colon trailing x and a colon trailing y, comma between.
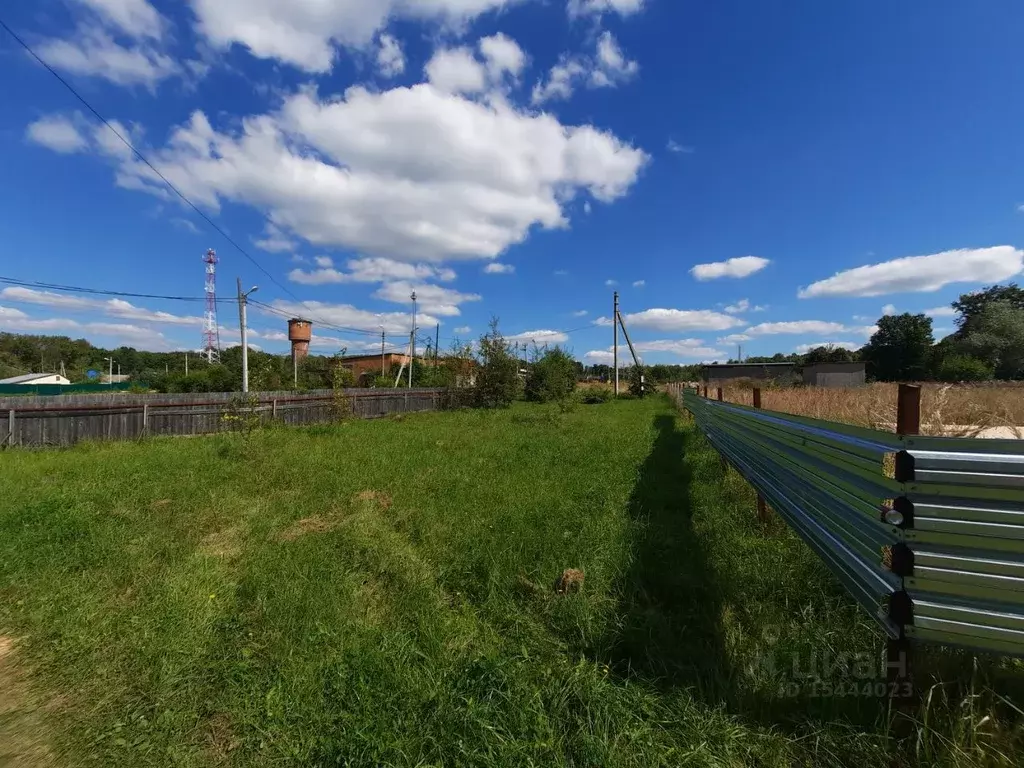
x: 945, y: 408
x: 381, y: 593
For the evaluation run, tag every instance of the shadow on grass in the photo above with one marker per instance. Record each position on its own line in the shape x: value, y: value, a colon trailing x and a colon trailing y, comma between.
x: 670, y: 629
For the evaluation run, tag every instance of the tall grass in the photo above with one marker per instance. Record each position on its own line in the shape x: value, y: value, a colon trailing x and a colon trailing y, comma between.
x: 383, y: 594
x: 961, y: 409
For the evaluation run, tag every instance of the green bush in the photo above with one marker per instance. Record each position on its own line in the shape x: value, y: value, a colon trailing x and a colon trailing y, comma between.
x: 964, y: 368
x: 497, y: 380
x: 552, y: 377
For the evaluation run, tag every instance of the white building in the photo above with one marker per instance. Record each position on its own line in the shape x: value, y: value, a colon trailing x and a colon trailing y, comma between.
x: 30, y: 379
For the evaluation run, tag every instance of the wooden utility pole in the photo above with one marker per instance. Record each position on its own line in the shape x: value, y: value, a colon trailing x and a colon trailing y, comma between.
x: 636, y: 360
x: 615, y: 342
x: 437, y: 341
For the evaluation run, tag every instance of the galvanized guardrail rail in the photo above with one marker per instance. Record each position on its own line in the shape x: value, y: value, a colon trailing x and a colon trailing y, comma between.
x: 926, y: 533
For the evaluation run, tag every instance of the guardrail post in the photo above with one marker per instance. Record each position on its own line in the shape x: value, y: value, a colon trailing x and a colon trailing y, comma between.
x: 762, y: 506
x: 899, y: 671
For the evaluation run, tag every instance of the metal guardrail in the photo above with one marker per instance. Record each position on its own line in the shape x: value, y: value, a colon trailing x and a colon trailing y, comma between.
x: 926, y: 533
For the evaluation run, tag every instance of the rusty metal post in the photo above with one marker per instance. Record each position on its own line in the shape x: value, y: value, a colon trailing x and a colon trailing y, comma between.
x: 908, y: 410
x: 762, y: 507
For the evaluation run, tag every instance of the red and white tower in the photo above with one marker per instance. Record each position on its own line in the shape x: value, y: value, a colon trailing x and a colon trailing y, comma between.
x: 211, y: 331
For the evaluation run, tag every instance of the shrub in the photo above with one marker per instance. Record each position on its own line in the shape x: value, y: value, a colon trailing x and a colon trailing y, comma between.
x: 552, y: 377
x: 497, y: 380
x: 964, y: 368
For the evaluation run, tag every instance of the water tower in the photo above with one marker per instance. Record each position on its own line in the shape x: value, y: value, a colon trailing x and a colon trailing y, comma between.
x: 299, y: 333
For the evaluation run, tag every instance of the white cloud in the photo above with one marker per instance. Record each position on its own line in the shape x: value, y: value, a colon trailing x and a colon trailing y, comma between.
x: 560, y: 272
x: 113, y: 307
x: 539, y: 337
x: 586, y: 207
x: 604, y: 322
x: 889, y: 309
x: 456, y: 70
x: 502, y: 54
x: 58, y: 133
x: 580, y: 313
x: 735, y: 338
x: 186, y: 225
x: 686, y: 348
x: 349, y: 316
x: 369, y: 270
x: 275, y: 241
x: 496, y: 268
x: 136, y: 18
x: 93, y: 52
x: 796, y: 326
x: 304, y: 33
x: 607, y: 68
x: 676, y: 147
x: 463, y: 330
x: 922, y: 273
x: 803, y: 349
x: 390, y: 58
x: 597, y: 7
x: 603, y: 357
x: 681, y: 320
x: 639, y: 283
x: 610, y: 283
x: 739, y: 307
x: 946, y: 311
x: 741, y: 266
x: 432, y: 299
x: 457, y: 178
x: 118, y: 334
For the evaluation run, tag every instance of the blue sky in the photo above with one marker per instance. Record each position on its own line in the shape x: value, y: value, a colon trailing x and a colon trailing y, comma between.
x: 740, y: 175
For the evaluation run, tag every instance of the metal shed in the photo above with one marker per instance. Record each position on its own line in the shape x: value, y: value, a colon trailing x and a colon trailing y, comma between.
x: 834, y: 374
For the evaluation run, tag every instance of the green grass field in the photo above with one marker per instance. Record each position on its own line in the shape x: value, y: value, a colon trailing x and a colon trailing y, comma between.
x: 381, y: 593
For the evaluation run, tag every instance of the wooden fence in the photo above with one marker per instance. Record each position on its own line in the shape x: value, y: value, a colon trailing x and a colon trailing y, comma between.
x: 66, y: 419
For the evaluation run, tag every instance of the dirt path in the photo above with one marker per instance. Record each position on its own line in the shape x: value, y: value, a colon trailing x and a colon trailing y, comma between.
x: 23, y: 741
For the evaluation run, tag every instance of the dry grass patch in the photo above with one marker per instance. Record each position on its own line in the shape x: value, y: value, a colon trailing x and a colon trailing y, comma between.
x: 23, y: 734
x: 946, y: 409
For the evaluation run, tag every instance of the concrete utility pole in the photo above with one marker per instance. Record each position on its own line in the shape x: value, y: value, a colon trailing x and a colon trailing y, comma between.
x: 110, y: 371
x: 245, y: 341
x: 437, y: 340
x: 615, y: 342
x: 382, y: 351
x: 186, y: 363
x: 412, y: 339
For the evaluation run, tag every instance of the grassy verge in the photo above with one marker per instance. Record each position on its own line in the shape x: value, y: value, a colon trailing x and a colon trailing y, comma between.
x: 381, y: 594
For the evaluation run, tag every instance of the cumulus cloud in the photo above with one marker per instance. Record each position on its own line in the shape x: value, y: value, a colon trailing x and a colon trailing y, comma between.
x: 889, y: 309
x: 610, y: 283
x: 456, y: 70
x: 681, y: 320
x: 922, y: 273
x: 496, y: 268
x: 118, y: 334
x: 684, y: 349
x: 433, y: 299
x: 136, y: 18
x: 326, y: 170
x: 577, y: 8
x: 741, y: 266
x: 946, y: 311
x: 305, y: 33
x: 463, y: 330
x: 538, y: 337
x: 608, y: 67
x: 369, y: 270
x: 390, y: 58
x: 639, y: 283
x: 796, y: 326
x: 58, y: 133
x: 735, y: 338
x: 113, y: 307
x: 580, y: 313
